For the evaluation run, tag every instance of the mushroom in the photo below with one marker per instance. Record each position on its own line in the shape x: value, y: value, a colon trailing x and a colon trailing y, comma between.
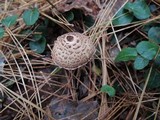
x: 72, y: 50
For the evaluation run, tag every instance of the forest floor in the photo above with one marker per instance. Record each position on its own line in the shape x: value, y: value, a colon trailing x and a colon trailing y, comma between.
x: 120, y: 82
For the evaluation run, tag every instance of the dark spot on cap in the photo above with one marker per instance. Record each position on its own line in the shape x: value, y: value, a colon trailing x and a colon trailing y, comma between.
x: 70, y: 38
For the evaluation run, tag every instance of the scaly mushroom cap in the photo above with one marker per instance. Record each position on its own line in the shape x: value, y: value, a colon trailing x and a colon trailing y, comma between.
x: 72, y: 50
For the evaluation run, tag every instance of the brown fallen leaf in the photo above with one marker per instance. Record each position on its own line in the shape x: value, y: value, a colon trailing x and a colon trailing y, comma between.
x: 89, y: 7
x: 72, y: 110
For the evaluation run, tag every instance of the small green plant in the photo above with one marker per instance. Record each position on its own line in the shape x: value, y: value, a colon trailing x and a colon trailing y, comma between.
x: 154, y: 34
x: 141, y: 54
x: 138, y: 9
x: 9, y: 20
x: 109, y: 90
x: 39, y: 45
x: 145, y: 51
x: 1, y: 32
x: 30, y: 16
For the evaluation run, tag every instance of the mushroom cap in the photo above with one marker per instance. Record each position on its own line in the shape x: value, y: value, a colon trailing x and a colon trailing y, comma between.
x: 72, y: 50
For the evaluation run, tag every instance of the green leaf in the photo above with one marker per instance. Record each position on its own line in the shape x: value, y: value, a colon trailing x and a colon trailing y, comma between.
x: 147, y: 27
x: 154, y: 34
x: 30, y: 16
x: 140, y: 63
x: 126, y: 54
x: 43, y: 27
x: 88, y: 20
x: 157, y: 61
x: 37, y: 37
x: 38, y: 46
x: 123, y: 17
x: 9, y: 21
x: 69, y: 16
x: 147, y: 49
x: 1, y: 32
x: 139, y: 8
x: 154, y: 81
x: 27, y: 33
x: 108, y: 89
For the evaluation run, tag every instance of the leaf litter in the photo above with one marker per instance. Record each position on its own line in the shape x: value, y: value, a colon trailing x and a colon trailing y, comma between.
x: 78, y: 91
